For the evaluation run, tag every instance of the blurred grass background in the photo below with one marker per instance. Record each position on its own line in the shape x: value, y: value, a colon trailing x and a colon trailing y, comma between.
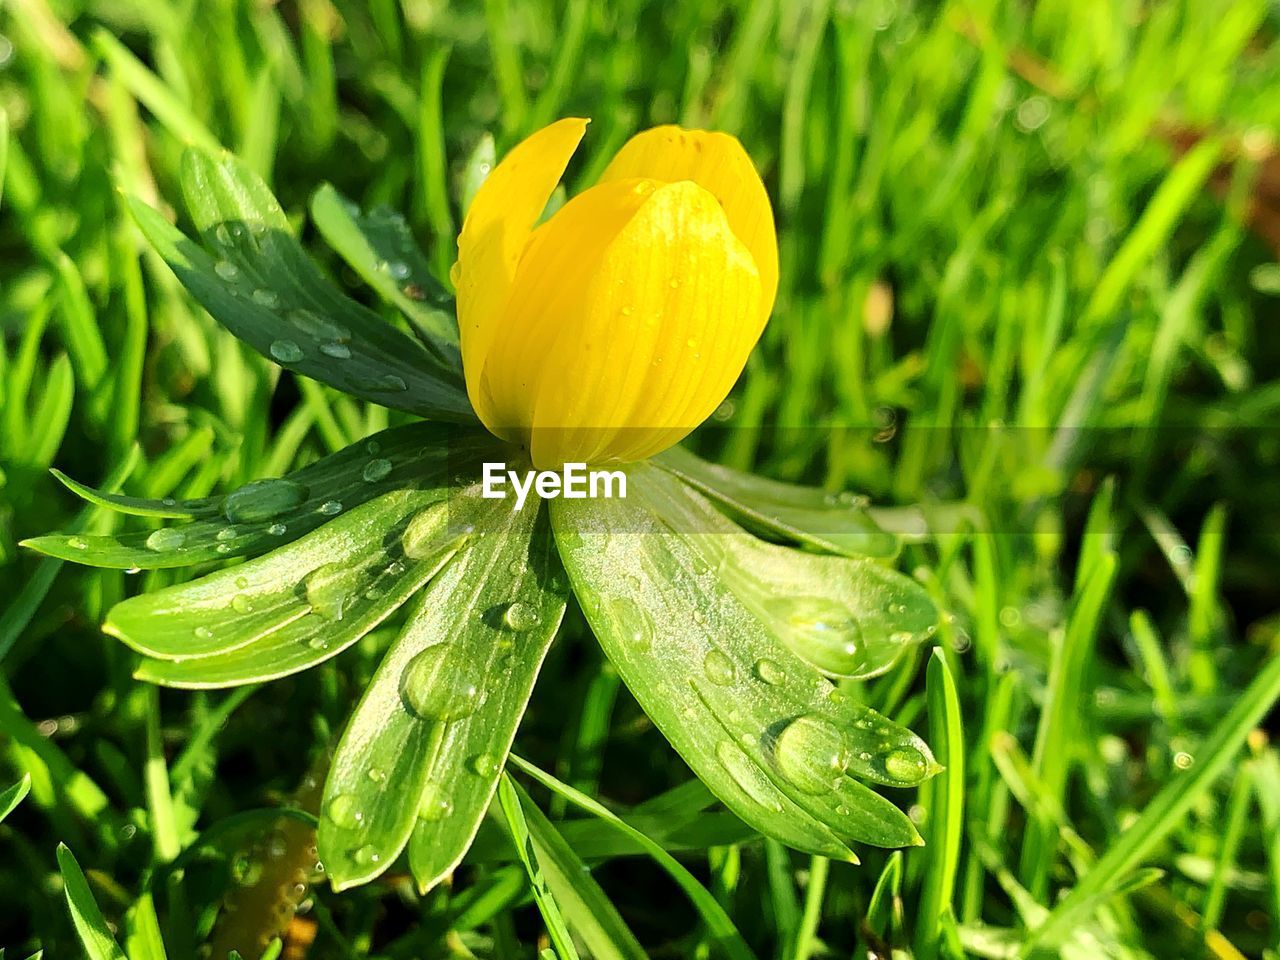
x: 1029, y: 283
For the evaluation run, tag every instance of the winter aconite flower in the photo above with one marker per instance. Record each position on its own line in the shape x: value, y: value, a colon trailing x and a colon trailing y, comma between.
x: 615, y: 327
x: 730, y: 606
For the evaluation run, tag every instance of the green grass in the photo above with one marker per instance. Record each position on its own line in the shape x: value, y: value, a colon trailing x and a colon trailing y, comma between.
x: 1014, y: 312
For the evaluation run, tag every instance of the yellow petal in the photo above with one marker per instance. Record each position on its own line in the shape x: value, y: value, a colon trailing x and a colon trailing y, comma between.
x: 633, y: 312
x: 550, y: 297
x: 494, y: 234
x: 718, y: 163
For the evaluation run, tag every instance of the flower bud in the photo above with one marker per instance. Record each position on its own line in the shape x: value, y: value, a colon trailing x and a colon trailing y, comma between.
x: 611, y: 330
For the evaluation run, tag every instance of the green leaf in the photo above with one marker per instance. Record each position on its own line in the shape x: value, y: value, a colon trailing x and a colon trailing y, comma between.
x: 265, y: 514
x: 379, y: 247
x: 422, y: 753
x: 831, y: 523
x: 141, y: 506
x: 720, y: 927
x: 768, y: 734
x: 518, y: 830
x: 1162, y: 815
x: 944, y: 803
x: 297, y: 606
x: 260, y: 285
x: 12, y: 796
x: 846, y: 616
x: 91, y: 926
x: 586, y: 907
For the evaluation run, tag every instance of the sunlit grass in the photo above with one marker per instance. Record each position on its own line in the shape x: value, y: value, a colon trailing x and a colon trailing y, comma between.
x: 1020, y: 288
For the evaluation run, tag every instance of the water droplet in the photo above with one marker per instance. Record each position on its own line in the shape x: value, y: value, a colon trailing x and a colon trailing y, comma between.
x: 245, y: 870
x: 203, y: 633
x: 277, y: 529
x: 166, y: 538
x: 366, y: 855
x: 748, y: 775
x: 520, y: 616
x: 277, y: 845
x: 330, y: 508
x: 770, y: 672
x: 225, y: 534
x: 226, y: 270
x: 328, y: 590
x: 904, y: 763
x: 376, y: 470
x: 1183, y: 760
x: 423, y: 536
x: 318, y: 643
x: 812, y: 754
x: 398, y: 269
x: 343, y: 809
x: 377, y: 775
x: 434, y: 688
x: 385, y: 383
x: 222, y: 235
x: 77, y: 543
x: 820, y: 630
x: 435, y: 805
x: 719, y: 668
x: 241, y: 604
x: 316, y: 326
x: 263, y: 499
x: 286, y: 351
x: 242, y: 582
x: 266, y: 298
x: 339, y: 351
x: 630, y: 622
x: 482, y: 765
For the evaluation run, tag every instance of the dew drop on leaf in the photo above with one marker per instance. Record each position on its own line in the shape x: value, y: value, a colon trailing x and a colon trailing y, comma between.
x: 748, y: 776
x: 376, y: 470
x: 266, y: 298
x: 482, y: 765
x: 77, y: 543
x: 434, y: 689
x: 263, y: 499
x: 285, y: 351
x: 338, y: 351
x: 631, y: 622
x: 241, y: 604
x: 203, y: 633
x: 166, y: 538
x: 226, y: 270
x: 225, y: 534
x: 385, y: 383
x: 366, y: 855
x: 769, y: 671
x: 277, y: 844
x: 812, y: 754
x: 904, y: 763
x: 277, y: 529
x: 330, y: 508
x: 314, y: 325
x: 719, y: 668
x: 821, y: 631
x: 327, y: 590
x: 520, y: 617
x: 343, y: 810
x: 435, y: 805
x: 245, y: 870
x: 421, y: 537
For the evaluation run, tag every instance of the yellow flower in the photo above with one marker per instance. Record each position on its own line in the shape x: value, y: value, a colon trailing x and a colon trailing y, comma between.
x: 614, y: 328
